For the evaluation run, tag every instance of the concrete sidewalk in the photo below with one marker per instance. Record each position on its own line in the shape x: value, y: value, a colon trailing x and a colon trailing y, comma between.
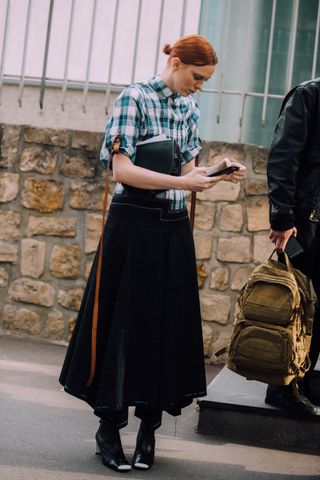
x: 46, y: 434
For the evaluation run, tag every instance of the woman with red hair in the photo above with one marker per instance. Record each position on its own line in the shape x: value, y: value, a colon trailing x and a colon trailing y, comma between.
x: 149, y: 351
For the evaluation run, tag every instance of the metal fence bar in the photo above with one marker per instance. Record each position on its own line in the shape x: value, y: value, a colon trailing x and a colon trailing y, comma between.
x: 4, y: 45
x: 292, y: 45
x: 269, y: 59
x: 316, y: 44
x: 136, y: 41
x: 155, y: 70
x: 86, y: 83
x: 224, y: 48
x: 183, y: 17
x: 66, y: 64
x: 45, y: 59
x: 115, y: 22
x: 244, y: 80
x: 25, y: 47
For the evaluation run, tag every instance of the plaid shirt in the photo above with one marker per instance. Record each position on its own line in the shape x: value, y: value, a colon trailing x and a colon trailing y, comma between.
x: 145, y: 110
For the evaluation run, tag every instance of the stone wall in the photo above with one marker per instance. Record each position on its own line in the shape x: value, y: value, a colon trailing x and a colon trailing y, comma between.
x: 51, y: 190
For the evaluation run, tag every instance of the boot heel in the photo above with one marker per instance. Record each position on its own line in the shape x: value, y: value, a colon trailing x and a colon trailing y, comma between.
x: 98, y: 450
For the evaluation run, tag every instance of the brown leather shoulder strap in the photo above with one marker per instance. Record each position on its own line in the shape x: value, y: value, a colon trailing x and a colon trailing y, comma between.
x: 115, y: 149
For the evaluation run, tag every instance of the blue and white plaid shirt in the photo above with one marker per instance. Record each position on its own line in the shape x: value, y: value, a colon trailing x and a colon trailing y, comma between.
x: 145, y: 110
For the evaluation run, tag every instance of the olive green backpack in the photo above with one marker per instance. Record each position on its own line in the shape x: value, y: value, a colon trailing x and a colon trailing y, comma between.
x: 272, y: 331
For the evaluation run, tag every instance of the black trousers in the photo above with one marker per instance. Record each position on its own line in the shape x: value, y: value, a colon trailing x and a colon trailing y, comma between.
x: 309, y: 263
x: 119, y: 418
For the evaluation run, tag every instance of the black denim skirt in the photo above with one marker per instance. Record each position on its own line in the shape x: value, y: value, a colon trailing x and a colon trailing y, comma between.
x: 149, y: 340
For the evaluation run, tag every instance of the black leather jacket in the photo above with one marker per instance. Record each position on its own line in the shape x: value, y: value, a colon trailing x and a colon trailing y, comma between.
x: 294, y: 158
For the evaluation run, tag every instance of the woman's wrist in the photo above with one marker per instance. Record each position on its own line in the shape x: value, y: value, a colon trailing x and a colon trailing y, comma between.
x: 181, y: 183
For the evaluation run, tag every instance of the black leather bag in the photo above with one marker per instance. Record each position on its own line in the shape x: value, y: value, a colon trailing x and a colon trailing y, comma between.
x: 162, y: 156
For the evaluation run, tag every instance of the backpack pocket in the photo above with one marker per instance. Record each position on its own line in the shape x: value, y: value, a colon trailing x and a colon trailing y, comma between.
x: 261, y: 349
x: 269, y: 302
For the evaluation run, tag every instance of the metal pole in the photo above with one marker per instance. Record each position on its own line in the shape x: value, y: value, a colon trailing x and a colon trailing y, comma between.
x: 4, y: 45
x: 115, y: 22
x: 292, y: 45
x: 245, y: 70
x: 267, y: 79
x: 316, y: 43
x: 45, y: 60
x: 136, y: 42
x: 183, y: 18
x: 25, y: 47
x: 66, y: 64
x: 159, y: 37
x: 86, y: 83
x: 224, y: 48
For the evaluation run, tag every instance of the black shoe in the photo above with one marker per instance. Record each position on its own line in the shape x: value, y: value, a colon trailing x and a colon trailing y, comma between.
x: 310, y: 387
x: 109, y: 445
x: 289, y: 398
x: 143, y: 457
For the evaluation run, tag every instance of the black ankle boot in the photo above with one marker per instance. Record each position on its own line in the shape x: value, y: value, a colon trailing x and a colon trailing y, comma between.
x: 310, y: 387
x: 289, y: 398
x: 143, y: 456
x: 109, y: 445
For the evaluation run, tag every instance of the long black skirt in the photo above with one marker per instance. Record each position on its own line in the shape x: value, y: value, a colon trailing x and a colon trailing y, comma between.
x: 149, y: 339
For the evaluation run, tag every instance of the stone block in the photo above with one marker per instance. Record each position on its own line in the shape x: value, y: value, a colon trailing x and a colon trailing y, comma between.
x: 255, y: 186
x: 71, y: 298
x: 258, y: 215
x: 215, y: 152
x: 52, y: 226
x: 9, y: 145
x: 203, y: 245
x: 32, y: 257
x: 215, y: 307
x: 54, y: 328
x: 240, y: 277
x: 86, y: 195
x: 65, y: 261
x: 38, y: 159
x: 234, y: 249
x: 222, y: 191
x: 10, y: 223
x: 92, y: 232
x: 46, y: 196
x: 202, y: 274
x: 219, y: 278
x: 21, y: 320
x: 46, y: 136
x: 231, y: 219
x: 262, y: 248
x: 4, y: 276
x: 90, y: 141
x: 204, y: 216
x: 79, y: 165
x: 8, y: 253
x: 207, y: 335
x: 32, y: 291
x: 259, y: 157
x: 9, y: 187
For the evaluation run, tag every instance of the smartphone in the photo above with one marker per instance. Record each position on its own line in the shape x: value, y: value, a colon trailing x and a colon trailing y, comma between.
x: 293, y: 247
x: 225, y: 171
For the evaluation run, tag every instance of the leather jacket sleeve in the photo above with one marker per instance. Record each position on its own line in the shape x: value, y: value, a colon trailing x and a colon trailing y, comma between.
x: 286, y: 155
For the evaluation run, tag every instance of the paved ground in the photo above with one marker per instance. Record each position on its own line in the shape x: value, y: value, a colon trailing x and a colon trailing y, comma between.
x: 46, y: 434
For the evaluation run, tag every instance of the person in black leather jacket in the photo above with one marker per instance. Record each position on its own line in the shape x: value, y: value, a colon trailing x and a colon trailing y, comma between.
x: 294, y: 197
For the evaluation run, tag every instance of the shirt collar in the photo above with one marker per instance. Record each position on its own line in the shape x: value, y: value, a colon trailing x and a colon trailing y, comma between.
x: 162, y: 88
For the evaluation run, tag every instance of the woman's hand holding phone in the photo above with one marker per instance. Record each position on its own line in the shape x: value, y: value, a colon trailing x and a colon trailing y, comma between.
x: 227, y: 170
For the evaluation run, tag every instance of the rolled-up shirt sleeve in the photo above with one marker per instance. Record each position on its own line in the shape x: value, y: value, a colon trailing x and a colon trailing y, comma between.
x: 193, y: 147
x: 125, y: 121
